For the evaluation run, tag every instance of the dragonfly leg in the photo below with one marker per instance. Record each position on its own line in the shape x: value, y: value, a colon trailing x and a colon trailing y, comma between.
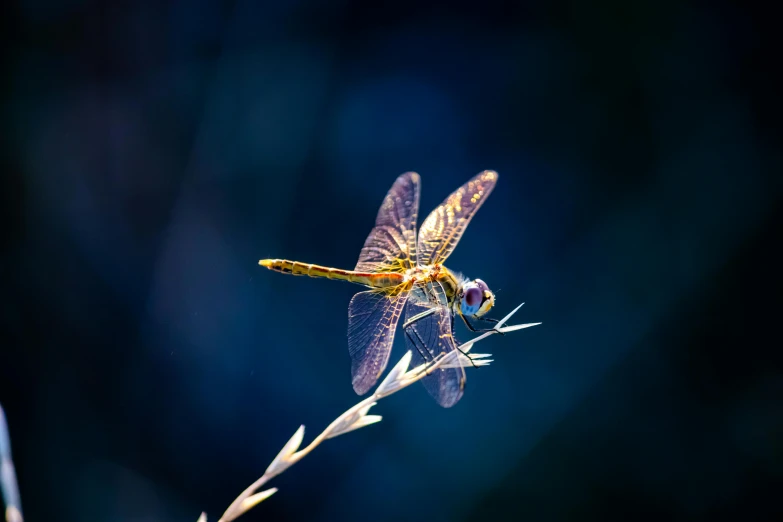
x: 480, y: 330
x: 488, y: 319
x: 427, y: 358
x: 468, y: 356
x: 458, y: 348
x: 419, y: 317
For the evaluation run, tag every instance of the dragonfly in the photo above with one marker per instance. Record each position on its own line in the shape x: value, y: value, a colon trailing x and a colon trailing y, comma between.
x: 401, y: 268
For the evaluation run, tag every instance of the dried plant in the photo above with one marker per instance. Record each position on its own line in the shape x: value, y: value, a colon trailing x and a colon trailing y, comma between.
x: 13, y: 506
x: 357, y: 417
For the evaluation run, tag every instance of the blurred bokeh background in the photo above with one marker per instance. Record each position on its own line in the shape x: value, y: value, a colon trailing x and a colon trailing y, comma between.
x: 152, y: 152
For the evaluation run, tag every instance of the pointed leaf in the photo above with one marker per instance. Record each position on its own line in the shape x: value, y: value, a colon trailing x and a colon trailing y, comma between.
x: 12, y: 514
x: 281, y: 461
x: 503, y: 321
x: 394, y: 374
x: 366, y: 409
x: 342, y: 423
x: 410, y: 376
x: 253, y: 500
x: 483, y: 362
x: 515, y: 327
x: 479, y: 359
x: 361, y: 422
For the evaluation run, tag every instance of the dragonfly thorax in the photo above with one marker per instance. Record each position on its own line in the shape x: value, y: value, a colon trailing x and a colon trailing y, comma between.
x: 436, y: 273
x: 466, y: 297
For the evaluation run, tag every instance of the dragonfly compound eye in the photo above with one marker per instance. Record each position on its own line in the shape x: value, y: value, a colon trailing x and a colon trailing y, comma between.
x: 482, y: 285
x: 473, y: 297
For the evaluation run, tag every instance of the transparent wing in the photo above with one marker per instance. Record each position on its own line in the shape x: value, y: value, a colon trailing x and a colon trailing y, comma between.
x: 391, y: 245
x: 443, y: 228
x: 430, y: 335
x: 372, y: 319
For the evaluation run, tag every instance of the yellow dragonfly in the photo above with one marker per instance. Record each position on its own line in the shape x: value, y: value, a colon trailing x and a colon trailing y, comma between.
x: 400, y: 268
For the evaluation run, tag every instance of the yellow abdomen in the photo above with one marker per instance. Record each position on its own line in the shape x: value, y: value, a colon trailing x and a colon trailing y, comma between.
x: 284, y: 266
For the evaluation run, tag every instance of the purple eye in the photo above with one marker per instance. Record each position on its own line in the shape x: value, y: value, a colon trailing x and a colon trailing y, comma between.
x: 482, y: 285
x: 473, y: 296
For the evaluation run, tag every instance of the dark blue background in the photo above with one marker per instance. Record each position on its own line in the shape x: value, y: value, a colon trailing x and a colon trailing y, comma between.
x: 154, y: 151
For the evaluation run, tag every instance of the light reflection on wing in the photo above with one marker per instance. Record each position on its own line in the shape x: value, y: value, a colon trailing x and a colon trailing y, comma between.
x: 372, y: 319
x: 430, y: 336
x: 391, y: 245
x: 443, y: 228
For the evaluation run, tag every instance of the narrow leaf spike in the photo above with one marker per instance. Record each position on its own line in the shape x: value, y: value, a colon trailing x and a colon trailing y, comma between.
x: 366, y: 409
x: 281, y: 461
x: 8, y: 485
x: 503, y: 321
x: 477, y: 364
x: 506, y: 329
x: 394, y: 375
x: 360, y: 423
x: 479, y: 359
x: 13, y: 515
x: 353, y: 421
x: 253, y: 500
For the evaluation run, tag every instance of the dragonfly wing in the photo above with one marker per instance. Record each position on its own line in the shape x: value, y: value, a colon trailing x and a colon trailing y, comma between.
x: 391, y: 245
x: 372, y: 319
x: 430, y: 336
x: 443, y: 228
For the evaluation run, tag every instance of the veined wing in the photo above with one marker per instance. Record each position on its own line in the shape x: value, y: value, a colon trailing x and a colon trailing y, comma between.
x: 430, y: 335
x: 372, y: 319
x: 443, y: 228
x: 391, y: 245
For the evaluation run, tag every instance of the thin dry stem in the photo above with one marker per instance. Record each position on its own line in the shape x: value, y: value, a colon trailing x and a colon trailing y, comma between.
x: 356, y: 417
x: 8, y: 485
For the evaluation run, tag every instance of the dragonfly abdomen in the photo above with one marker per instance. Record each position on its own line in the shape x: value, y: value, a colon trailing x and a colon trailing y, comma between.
x: 374, y: 280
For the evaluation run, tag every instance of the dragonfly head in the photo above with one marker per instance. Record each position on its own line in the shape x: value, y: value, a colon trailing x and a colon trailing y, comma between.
x: 476, y: 298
